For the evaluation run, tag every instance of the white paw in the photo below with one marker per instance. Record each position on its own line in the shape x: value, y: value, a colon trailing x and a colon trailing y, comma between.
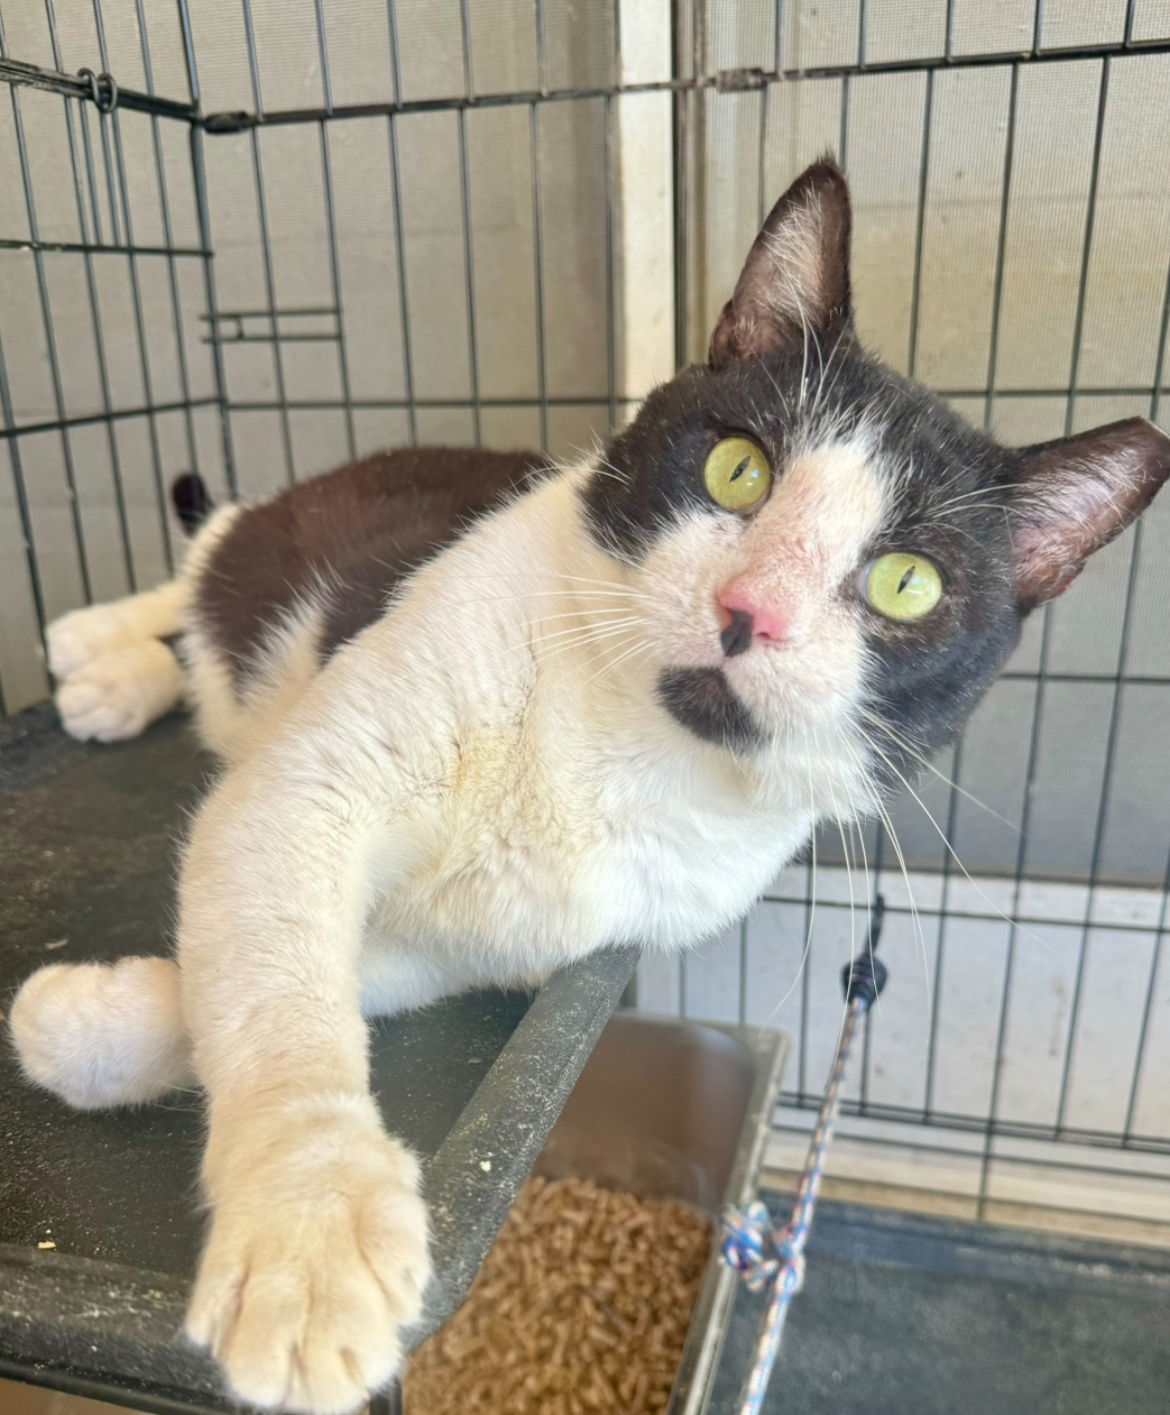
x: 118, y: 695
x: 85, y: 634
x: 101, y: 1034
x: 317, y: 1259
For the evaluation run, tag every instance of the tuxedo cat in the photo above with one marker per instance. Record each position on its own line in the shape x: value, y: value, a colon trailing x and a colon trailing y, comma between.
x: 483, y: 715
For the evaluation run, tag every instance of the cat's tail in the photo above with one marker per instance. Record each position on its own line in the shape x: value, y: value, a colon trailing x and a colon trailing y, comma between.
x: 191, y: 500
x: 103, y: 1034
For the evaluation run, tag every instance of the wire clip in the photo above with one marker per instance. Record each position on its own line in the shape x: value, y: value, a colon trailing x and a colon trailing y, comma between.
x: 739, y: 80
x: 103, y: 90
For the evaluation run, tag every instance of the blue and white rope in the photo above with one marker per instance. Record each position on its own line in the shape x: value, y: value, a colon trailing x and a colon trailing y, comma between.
x: 772, y: 1260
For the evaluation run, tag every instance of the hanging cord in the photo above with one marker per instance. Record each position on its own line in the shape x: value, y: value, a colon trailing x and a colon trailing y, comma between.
x: 772, y: 1260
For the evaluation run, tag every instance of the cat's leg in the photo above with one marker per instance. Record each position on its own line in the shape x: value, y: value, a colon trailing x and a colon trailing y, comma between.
x: 103, y: 1034
x: 83, y: 635
x: 317, y: 1251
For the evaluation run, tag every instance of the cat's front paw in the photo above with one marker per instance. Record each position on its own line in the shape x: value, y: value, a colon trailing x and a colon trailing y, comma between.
x: 317, y: 1259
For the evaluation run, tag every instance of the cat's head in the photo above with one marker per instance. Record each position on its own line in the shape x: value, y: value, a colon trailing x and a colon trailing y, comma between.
x: 821, y: 540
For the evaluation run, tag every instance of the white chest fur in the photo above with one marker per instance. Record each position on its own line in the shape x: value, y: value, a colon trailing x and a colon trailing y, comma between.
x: 538, y: 862
x: 539, y: 801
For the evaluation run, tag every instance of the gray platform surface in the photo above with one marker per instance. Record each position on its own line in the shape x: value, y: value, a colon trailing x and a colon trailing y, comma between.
x: 902, y: 1315
x: 87, y: 845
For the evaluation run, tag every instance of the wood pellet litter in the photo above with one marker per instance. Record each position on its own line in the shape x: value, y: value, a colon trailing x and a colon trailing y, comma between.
x: 582, y: 1306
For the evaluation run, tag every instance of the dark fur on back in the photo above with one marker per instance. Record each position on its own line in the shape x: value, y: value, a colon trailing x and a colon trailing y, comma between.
x: 347, y: 538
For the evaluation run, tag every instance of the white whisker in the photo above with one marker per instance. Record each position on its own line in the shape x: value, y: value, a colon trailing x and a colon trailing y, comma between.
x: 887, y: 821
x: 852, y: 910
x: 589, y: 614
x: 640, y: 645
x: 999, y: 914
x: 874, y: 721
x: 812, y: 909
x: 563, y: 639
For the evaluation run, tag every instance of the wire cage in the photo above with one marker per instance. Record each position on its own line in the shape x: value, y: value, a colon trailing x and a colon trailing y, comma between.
x: 260, y: 237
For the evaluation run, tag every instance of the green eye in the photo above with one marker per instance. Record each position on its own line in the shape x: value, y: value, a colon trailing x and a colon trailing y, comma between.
x: 737, y: 474
x: 902, y: 586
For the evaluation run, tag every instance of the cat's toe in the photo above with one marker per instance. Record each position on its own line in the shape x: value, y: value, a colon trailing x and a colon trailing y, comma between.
x: 117, y: 695
x: 82, y: 635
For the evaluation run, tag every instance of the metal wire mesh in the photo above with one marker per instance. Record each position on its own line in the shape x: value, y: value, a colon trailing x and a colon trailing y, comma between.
x: 261, y: 238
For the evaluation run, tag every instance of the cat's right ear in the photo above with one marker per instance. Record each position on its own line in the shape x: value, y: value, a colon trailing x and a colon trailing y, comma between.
x: 796, y: 278
x: 1072, y: 496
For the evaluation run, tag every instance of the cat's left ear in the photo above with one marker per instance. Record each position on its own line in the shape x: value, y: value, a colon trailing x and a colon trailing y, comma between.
x: 1074, y: 495
x: 796, y: 277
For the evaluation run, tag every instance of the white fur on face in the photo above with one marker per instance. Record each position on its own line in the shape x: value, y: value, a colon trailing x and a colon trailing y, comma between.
x: 797, y: 557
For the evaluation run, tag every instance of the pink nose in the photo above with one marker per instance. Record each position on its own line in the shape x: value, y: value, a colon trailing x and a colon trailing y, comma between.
x: 744, y: 620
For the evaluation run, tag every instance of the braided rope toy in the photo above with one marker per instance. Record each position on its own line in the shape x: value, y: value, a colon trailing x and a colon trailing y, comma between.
x: 772, y: 1260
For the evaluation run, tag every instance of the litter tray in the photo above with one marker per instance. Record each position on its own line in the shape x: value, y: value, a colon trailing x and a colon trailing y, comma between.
x: 675, y: 1110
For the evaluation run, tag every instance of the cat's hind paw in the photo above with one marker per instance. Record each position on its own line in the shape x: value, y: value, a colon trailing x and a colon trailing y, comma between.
x: 317, y: 1259
x: 102, y: 1034
x: 119, y: 694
